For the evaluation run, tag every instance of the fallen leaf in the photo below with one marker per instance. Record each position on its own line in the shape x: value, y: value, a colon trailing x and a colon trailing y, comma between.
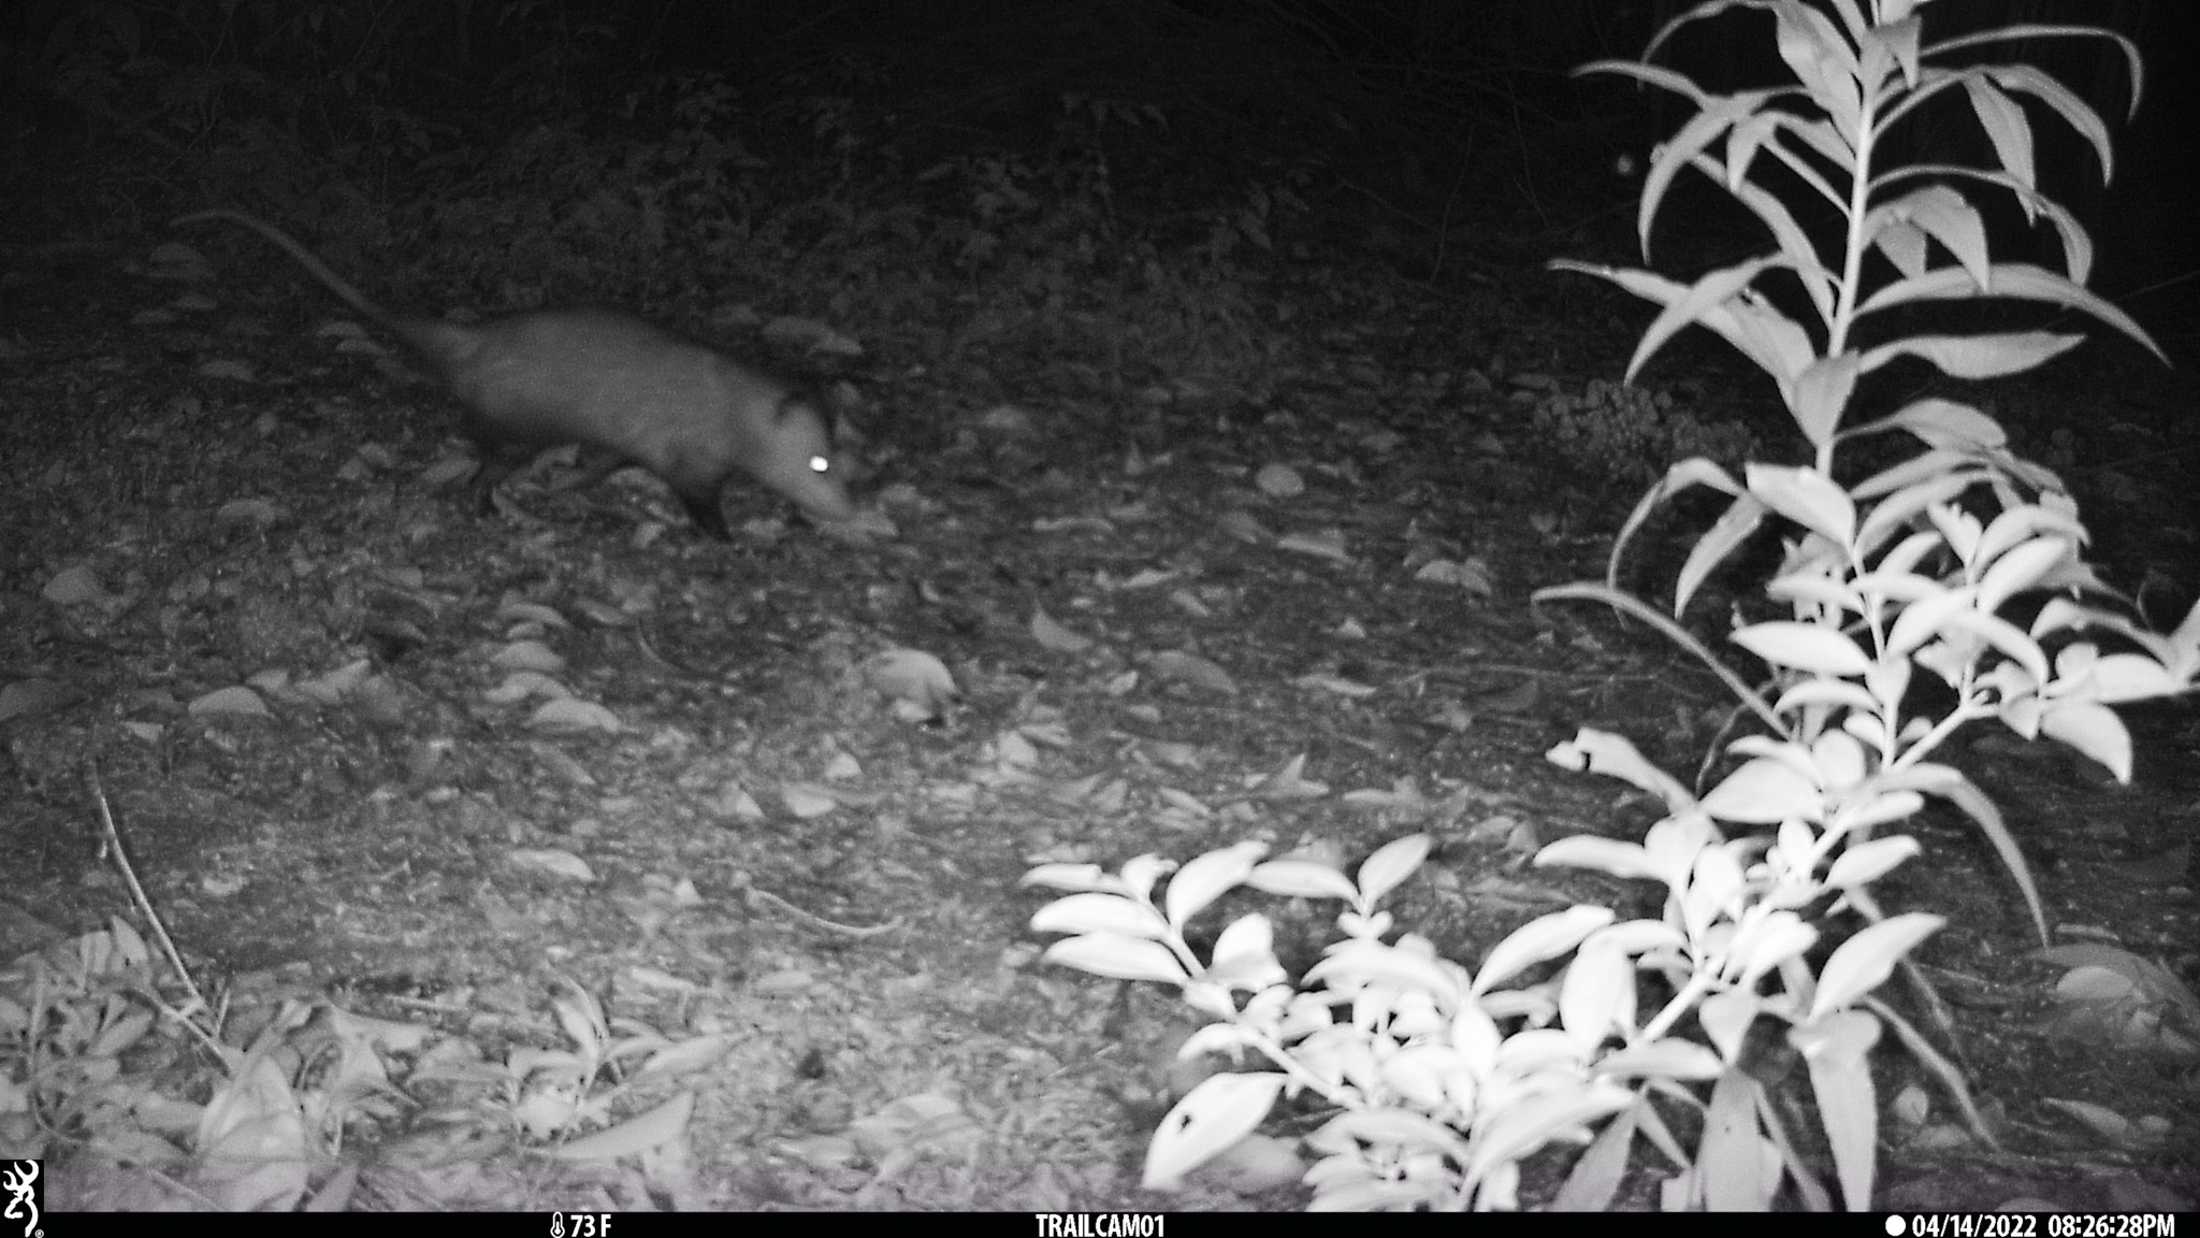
x: 913, y: 678
x: 521, y: 685
x: 1007, y: 421
x: 682, y: 1056
x: 174, y: 260
x: 1193, y: 669
x: 807, y: 801
x: 72, y: 586
x: 229, y: 703
x: 1188, y: 602
x: 1054, y: 636
x: 1335, y: 686
x: 1519, y: 698
x: 350, y: 337
x: 221, y: 885
x: 1405, y: 796
x: 1279, y: 481
x: 733, y: 800
x: 1049, y: 734
x: 2112, y: 1126
x: 1472, y: 575
x: 336, y: 1192
x: 1242, y: 526
x: 783, y: 981
x: 2112, y: 997
x: 26, y: 698
x: 1326, y: 544
x: 1013, y: 750
x: 236, y: 371
x: 517, y: 610
x: 574, y: 714
x: 1287, y: 782
x: 333, y: 687
x: 553, y: 862
x: 928, y: 1120
x: 1912, y: 1107
x: 257, y: 513
x: 1183, y: 801
x: 632, y: 1137
x: 1073, y: 524
x: 528, y: 655
x: 821, y: 1152
x: 451, y: 466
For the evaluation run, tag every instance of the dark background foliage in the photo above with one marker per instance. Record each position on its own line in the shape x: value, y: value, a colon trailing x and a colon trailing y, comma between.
x: 1430, y: 107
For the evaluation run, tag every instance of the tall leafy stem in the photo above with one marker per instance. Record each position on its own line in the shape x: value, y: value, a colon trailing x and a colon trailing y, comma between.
x: 1580, y: 1026
x: 1908, y: 568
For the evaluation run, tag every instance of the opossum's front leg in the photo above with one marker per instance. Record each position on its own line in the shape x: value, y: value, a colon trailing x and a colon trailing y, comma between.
x: 707, y: 514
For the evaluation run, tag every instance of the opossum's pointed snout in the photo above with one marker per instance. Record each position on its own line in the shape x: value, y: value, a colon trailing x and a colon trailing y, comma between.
x: 820, y: 494
x: 838, y: 510
x: 797, y: 459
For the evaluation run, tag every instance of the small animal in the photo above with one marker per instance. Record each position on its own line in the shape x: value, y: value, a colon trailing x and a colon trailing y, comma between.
x: 627, y: 392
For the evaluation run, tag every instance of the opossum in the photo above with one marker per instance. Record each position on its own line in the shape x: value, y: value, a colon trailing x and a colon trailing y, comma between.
x: 624, y: 390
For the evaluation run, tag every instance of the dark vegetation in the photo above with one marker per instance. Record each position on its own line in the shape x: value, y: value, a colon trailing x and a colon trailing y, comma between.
x: 1191, y: 338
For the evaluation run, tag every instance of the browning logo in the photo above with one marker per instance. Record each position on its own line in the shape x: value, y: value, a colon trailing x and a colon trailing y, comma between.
x: 24, y: 1192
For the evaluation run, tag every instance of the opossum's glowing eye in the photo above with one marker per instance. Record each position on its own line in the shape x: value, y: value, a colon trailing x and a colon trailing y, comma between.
x: 819, y: 464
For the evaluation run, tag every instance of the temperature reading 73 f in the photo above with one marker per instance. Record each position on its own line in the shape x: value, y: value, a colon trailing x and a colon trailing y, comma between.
x: 580, y: 1225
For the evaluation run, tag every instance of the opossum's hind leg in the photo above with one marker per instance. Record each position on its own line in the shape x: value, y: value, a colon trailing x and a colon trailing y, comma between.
x: 594, y: 464
x: 699, y: 481
x: 703, y: 508
x: 498, y: 462
x: 700, y: 498
x: 702, y: 505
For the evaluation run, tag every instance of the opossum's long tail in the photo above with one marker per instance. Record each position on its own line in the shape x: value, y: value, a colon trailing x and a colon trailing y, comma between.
x: 305, y: 258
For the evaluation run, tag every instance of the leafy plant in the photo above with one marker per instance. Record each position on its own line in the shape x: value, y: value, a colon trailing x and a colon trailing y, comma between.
x: 1421, y: 1058
x: 1912, y: 567
x: 1444, y: 1080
